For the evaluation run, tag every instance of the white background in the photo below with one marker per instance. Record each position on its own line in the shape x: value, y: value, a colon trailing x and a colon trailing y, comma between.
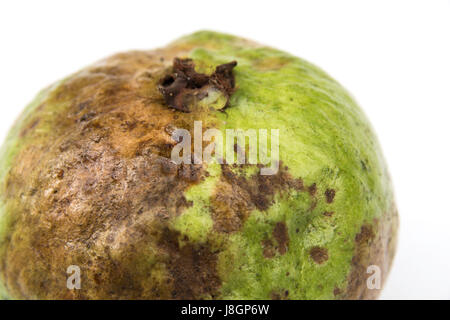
x: 394, y: 56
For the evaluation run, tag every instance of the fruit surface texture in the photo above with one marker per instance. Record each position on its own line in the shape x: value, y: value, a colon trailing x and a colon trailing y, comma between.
x: 86, y: 179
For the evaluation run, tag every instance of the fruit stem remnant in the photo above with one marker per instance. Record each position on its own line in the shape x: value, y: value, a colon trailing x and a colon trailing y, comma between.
x: 185, y: 85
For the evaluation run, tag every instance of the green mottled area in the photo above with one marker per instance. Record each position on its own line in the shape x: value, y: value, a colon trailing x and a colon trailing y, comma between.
x: 196, y: 222
x: 325, y: 139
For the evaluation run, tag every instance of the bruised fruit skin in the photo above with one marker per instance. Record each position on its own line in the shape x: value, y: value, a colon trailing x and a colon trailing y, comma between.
x: 86, y: 180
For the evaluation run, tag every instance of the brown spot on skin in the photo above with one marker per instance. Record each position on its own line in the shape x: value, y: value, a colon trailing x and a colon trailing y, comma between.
x: 280, y: 295
x: 280, y: 233
x: 329, y: 194
x: 312, y: 189
x: 229, y: 209
x: 268, y: 249
x: 365, y: 235
x: 275, y: 296
x: 328, y: 213
x: 374, y: 245
x: 60, y: 174
x: 184, y: 84
x: 237, y: 195
x: 296, y: 184
x: 319, y: 255
x: 168, y: 167
x: 279, y: 242
x: 360, y: 262
x: 192, y: 268
x: 190, y: 172
x: 337, y: 291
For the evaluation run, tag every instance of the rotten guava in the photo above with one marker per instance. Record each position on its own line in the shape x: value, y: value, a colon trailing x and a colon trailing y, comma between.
x: 87, y: 179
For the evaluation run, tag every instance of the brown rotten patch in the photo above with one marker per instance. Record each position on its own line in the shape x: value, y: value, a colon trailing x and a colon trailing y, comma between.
x: 280, y: 233
x: 192, y: 267
x: 184, y: 84
x: 330, y: 194
x: 374, y: 245
x: 319, y: 255
x: 98, y: 190
x: 236, y: 196
x: 281, y: 236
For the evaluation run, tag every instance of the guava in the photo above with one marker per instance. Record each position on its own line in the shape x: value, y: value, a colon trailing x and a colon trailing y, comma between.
x: 87, y: 179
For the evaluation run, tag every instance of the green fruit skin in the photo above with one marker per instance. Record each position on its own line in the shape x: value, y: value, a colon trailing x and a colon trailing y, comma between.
x: 325, y: 139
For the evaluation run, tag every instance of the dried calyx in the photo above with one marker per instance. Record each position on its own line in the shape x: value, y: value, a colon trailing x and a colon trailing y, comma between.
x: 184, y: 86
